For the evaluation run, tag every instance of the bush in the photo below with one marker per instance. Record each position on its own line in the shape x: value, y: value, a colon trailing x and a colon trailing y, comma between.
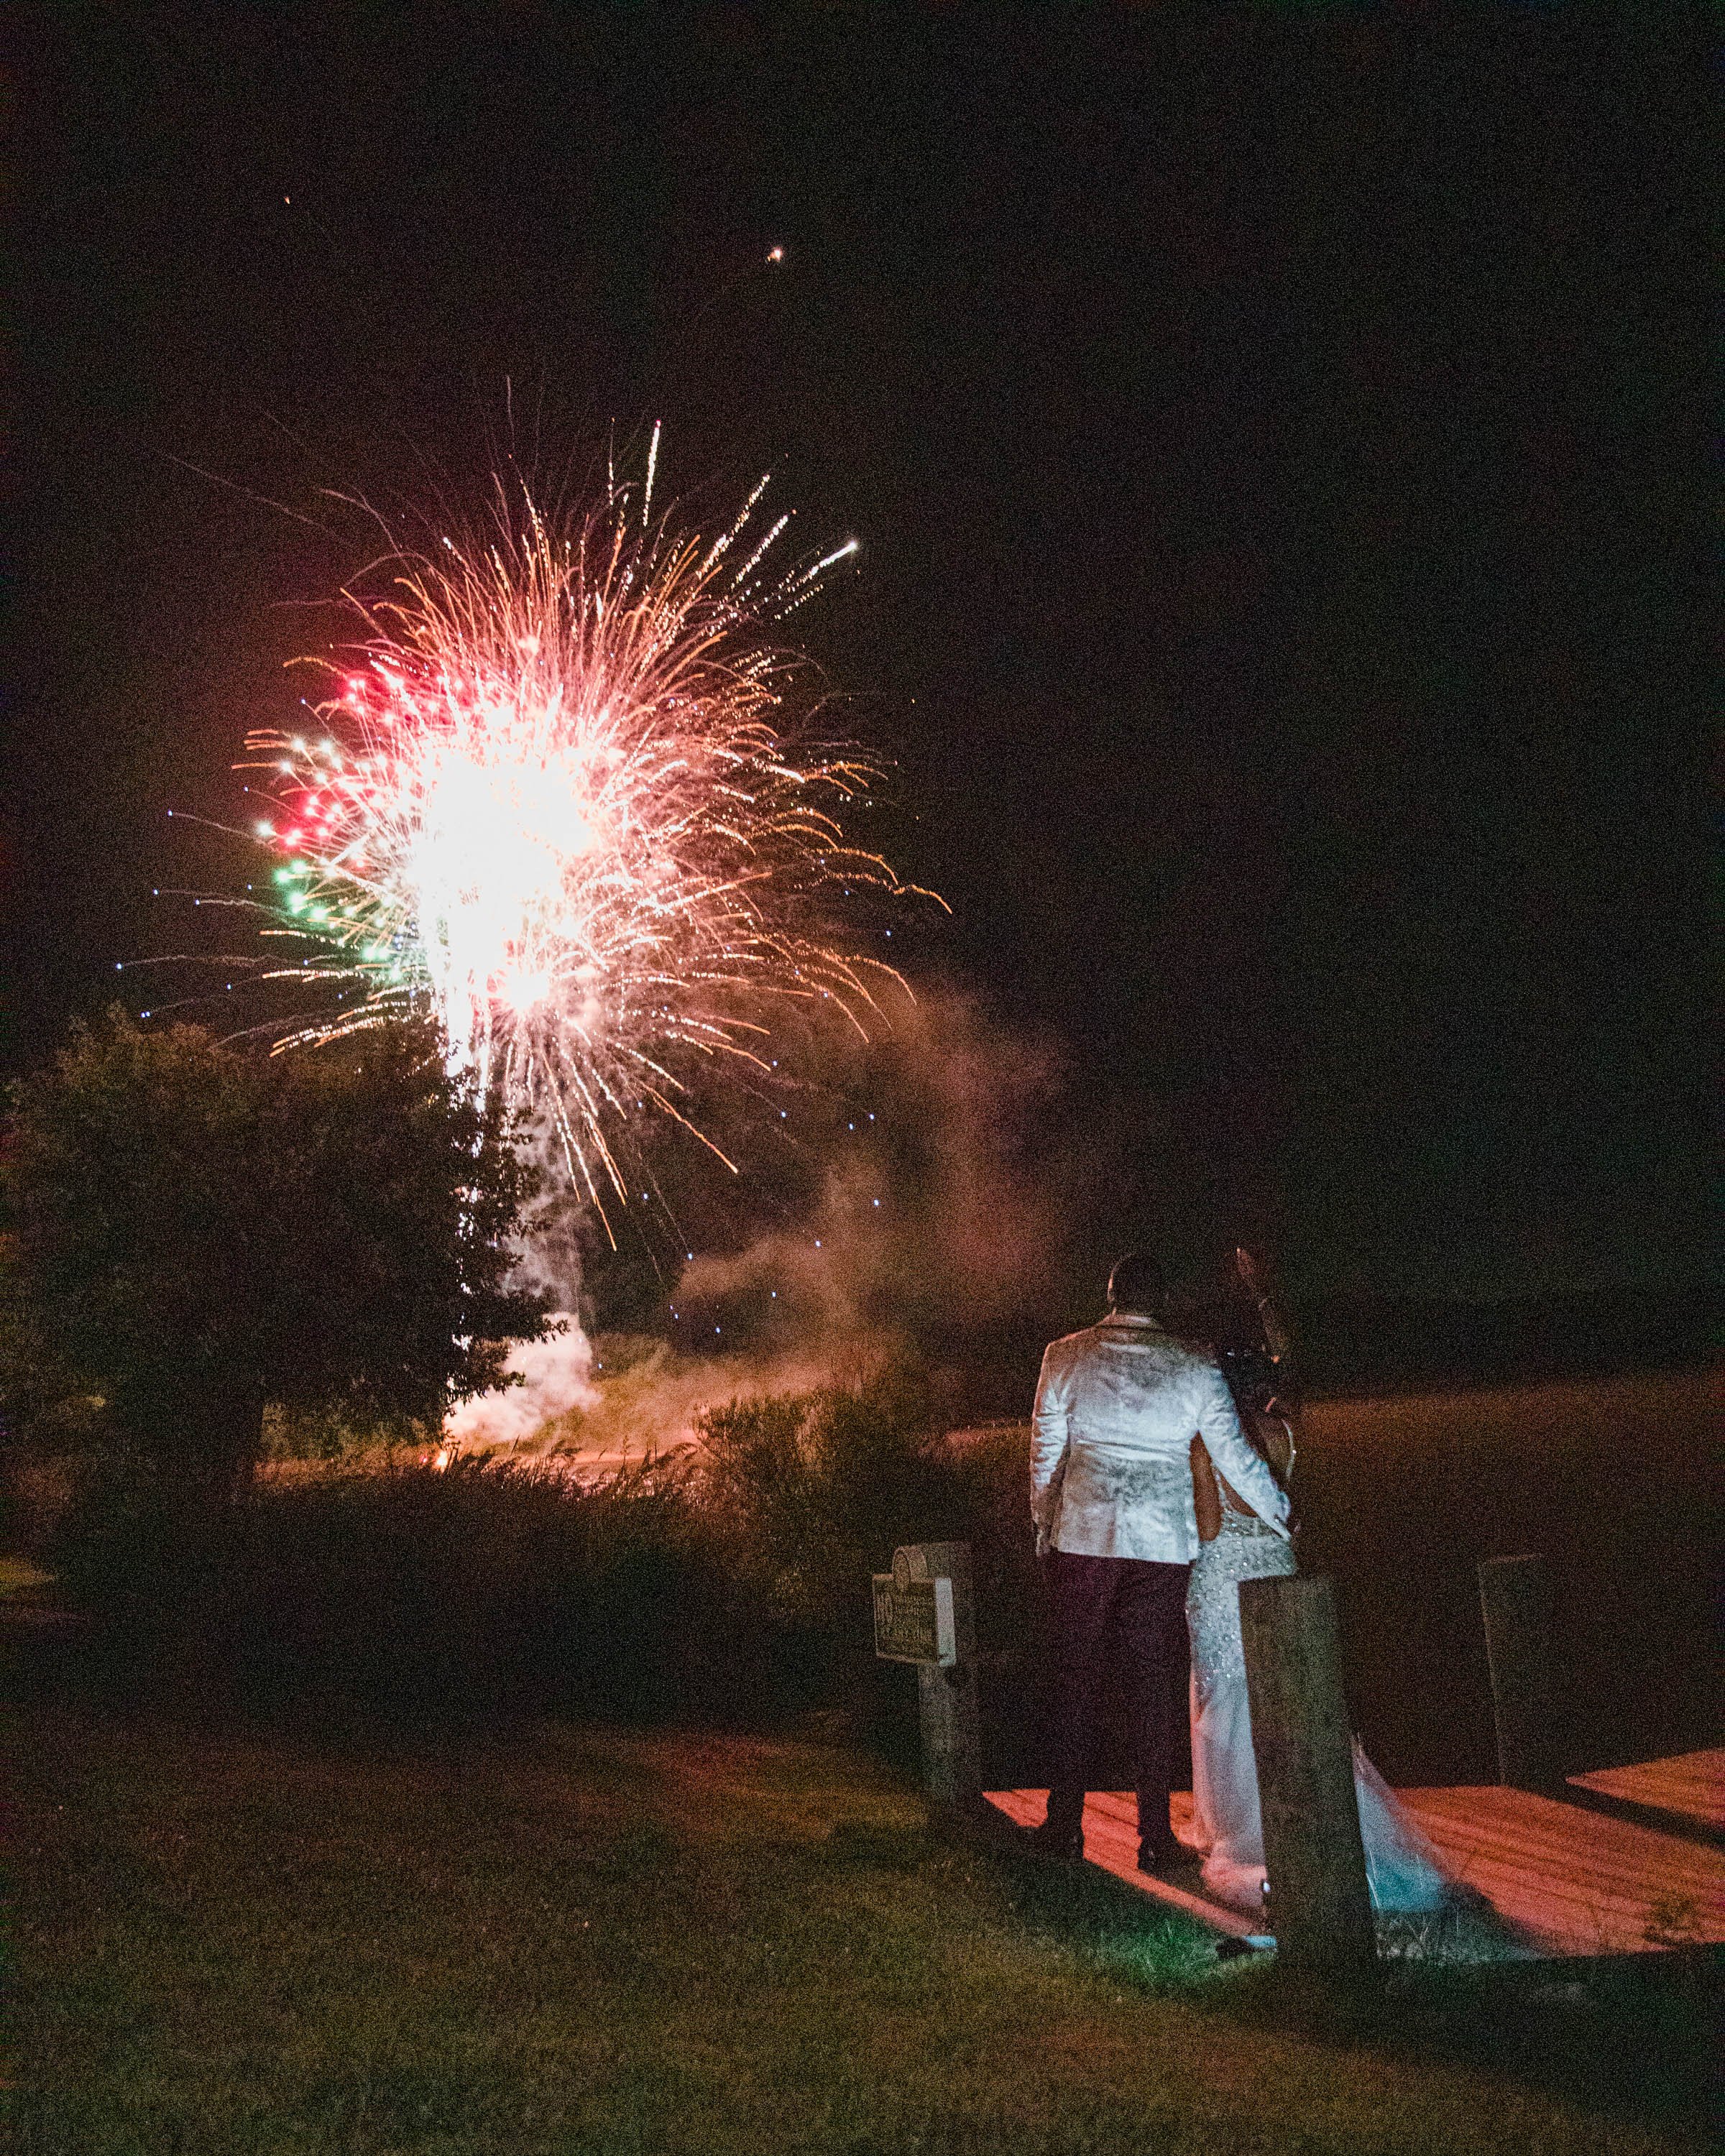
x: 423, y: 1596
x: 818, y: 1489
x: 728, y: 1585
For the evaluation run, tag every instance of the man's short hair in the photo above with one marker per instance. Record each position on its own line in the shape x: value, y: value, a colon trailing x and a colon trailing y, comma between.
x: 1139, y: 1284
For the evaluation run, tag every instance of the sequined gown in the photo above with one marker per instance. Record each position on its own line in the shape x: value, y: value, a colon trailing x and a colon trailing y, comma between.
x: 1401, y: 1866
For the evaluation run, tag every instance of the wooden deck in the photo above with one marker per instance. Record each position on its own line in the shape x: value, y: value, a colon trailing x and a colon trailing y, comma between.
x: 1688, y: 1790
x: 1568, y: 1880
x: 1110, y: 1840
x: 1572, y: 1882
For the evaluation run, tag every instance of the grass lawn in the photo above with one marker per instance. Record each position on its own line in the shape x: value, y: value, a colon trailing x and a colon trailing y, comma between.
x: 577, y: 1942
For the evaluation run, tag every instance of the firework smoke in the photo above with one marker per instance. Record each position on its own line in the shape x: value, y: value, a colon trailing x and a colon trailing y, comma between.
x: 554, y: 1378
x: 941, y: 1231
x: 558, y: 799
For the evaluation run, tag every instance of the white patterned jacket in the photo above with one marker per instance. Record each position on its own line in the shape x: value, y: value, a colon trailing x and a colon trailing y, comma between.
x: 1117, y: 1406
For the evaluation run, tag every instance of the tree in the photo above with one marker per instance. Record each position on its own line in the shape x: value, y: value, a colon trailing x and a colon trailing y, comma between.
x: 196, y: 1232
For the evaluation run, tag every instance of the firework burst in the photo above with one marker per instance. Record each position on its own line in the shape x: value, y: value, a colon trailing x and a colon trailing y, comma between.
x: 558, y: 799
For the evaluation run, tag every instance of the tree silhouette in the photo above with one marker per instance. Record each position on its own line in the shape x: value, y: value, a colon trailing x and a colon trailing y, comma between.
x: 196, y: 1232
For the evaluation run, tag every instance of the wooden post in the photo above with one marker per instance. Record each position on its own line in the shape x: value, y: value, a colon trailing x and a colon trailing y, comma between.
x: 1514, y: 1601
x: 1321, y: 1905
x: 951, y: 1748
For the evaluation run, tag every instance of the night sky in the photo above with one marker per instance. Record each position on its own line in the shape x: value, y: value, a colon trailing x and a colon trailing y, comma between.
x: 1277, y: 440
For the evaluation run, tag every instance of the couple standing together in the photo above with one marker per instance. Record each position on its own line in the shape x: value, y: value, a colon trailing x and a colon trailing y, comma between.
x: 1158, y: 1485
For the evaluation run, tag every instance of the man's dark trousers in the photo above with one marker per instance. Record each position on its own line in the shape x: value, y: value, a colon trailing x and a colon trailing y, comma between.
x: 1136, y: 1608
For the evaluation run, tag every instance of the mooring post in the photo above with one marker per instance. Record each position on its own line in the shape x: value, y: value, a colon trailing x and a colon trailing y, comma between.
x: 1515, y: 1602
x: 924, y: 1613
x: 1320, y: 1905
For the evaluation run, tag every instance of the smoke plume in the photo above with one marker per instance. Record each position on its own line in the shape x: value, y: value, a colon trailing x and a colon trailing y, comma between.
x: 936, y: 1219
x: 555, y: 1380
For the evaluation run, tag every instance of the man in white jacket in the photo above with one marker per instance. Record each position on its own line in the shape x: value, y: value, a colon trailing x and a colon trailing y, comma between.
x: 1116, y: 1409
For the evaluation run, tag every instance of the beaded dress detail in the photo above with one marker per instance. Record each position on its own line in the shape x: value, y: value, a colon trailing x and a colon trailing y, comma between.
x: 1403, y: 1870
x: 1246, y: 1549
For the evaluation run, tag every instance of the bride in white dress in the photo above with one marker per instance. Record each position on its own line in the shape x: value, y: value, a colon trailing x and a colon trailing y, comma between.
x: 1402, y: 1868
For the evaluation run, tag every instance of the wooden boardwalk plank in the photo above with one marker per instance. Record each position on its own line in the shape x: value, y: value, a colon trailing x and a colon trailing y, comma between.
x: 1110, y: 1840
x: 1571, y: 1881
x: 1692, y: 1785
x: 1577, y: 1882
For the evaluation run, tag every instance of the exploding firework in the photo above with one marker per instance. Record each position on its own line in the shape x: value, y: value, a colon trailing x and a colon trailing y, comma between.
x: 557, y: 799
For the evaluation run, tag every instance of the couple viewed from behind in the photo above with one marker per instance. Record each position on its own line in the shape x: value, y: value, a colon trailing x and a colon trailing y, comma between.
x: 1160, y: 1463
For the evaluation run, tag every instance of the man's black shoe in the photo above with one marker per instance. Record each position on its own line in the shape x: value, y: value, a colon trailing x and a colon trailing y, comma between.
x: 1165, y: 1859
x: 1064, y: 1842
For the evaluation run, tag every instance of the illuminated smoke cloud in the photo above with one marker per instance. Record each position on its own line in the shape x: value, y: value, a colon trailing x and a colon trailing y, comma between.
x: 555, y: 1380
x: 948, y: 1207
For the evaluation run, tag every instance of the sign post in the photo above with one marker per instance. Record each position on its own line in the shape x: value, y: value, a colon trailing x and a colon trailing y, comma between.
x: 924, y: 1614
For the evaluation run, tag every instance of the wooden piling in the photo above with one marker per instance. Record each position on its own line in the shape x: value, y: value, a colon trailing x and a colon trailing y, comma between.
x: 952, y: 1744
x: 1515, y: 1602
x: 1320, y: 1905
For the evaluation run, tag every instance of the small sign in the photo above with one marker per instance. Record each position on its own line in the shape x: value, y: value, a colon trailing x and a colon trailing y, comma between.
x: 913, y: 1619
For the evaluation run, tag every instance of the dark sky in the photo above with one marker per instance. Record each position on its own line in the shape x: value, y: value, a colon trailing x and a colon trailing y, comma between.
x: 1277, y: 438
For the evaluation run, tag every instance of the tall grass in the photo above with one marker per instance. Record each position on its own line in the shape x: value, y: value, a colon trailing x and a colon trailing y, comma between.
x: 728, y: 1585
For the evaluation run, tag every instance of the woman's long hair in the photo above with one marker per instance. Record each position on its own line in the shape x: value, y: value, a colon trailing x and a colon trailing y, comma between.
x: 1220, y: 1319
